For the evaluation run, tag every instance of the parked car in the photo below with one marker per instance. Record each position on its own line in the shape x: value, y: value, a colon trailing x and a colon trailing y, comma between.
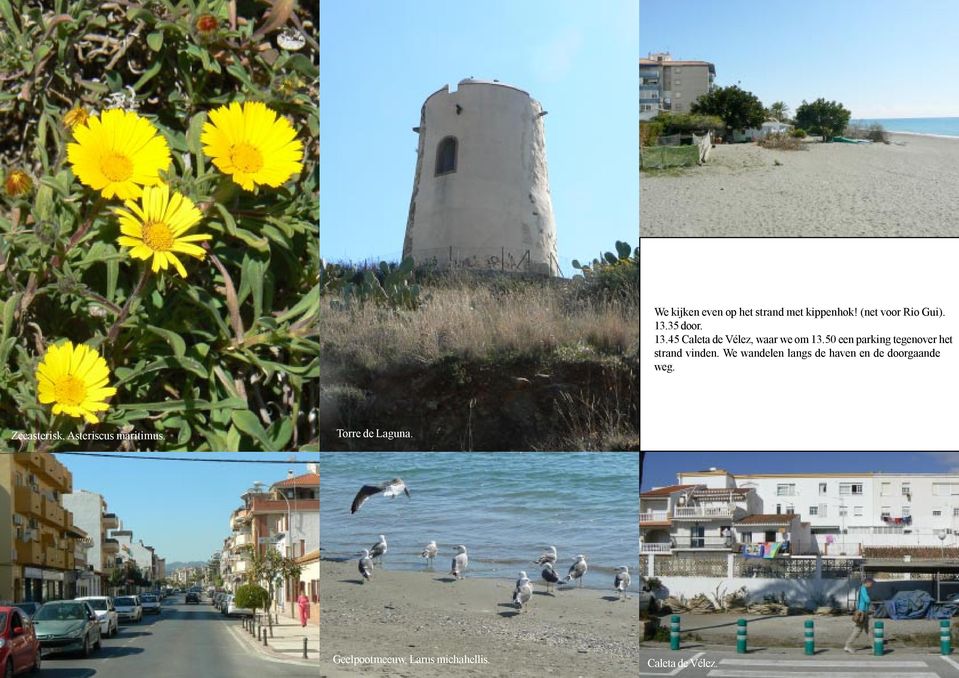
x: 67, y: 626
x: 106, y: 614
x: 233, y: 611
x: 29, y: 609
x: 19, y: 647
x: 150, y: 603
x: 192, y: 597
x: 128, y: 608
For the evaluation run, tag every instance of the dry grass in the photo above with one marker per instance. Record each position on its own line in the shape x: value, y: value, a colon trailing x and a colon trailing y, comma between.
x: 480, y: 322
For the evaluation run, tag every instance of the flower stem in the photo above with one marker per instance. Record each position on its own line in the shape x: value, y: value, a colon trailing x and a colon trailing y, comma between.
x: 125, y: 311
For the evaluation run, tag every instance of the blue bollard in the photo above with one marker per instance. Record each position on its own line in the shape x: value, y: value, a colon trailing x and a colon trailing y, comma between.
x: 878, y: 639
x: 674, y: 632
x: 945, y: 637
x: 741, y: 636
x: 810, y: 637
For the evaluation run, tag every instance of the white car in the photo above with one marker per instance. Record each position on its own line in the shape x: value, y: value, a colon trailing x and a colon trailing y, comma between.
x: 150, y: 603
x: 106, y: 614
x: 232, y: 609
x: 128, y: 608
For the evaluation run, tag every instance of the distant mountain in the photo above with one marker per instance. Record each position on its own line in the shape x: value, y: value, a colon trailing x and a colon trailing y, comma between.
x: 177, y: 565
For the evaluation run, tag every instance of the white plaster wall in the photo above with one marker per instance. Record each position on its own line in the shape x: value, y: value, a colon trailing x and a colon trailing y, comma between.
x: 87, y: 510
x: 498, y: 198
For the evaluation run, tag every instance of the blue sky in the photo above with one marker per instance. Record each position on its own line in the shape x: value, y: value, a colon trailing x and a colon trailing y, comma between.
x: 181, y: 508
x: 661, y: 467
x: 881, y: 58
x: 380, y: 59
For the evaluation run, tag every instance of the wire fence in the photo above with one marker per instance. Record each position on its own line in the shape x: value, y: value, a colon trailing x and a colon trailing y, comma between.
x: 670, y: 152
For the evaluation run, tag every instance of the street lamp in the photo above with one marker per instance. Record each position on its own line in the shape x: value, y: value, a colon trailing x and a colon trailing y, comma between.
x: 942, y: 542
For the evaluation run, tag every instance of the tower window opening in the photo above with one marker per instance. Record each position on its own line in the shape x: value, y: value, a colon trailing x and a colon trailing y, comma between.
x: 446, y: 156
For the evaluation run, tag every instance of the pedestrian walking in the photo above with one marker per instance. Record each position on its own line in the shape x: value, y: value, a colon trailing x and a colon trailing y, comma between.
x: 860, y: 616
x: 304, y: 604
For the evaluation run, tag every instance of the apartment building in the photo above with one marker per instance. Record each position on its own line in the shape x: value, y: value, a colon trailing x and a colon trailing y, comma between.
x: 671, y: 85
x: 846, y: 513
x: 38, y: 542
x: 90, y: 514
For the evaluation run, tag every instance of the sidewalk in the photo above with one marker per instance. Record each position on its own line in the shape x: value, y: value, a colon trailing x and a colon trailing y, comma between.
x: 287, y: 641
x: 777, y: 631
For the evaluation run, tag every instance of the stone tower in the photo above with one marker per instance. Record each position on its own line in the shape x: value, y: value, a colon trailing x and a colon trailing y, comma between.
x: 481, y: 192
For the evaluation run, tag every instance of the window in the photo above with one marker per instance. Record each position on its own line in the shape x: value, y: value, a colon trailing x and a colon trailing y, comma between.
x: 857, y: 510
x: 885, y: 512
x: 905, y: 490
x: 906, y: 511
x: 779, y: 509
x: 785, y: 489
x: 746, y: 537
x: 790, y: 508
x: 850, y: 488
x: 822, y: 488
x: 885, y: 489
x: 955, y: 513
x: 936, y: 514
x: 446, y: 156
x: 843, y: 511
x: 770, y: 535
x: 814, y: 510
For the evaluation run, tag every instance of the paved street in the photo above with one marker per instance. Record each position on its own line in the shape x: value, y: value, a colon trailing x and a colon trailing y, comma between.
x: 708, y: 663
x: 183, y: 641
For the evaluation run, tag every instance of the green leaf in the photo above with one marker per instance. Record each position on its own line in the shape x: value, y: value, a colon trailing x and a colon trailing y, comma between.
x: 233, y: 439
x: 148, y: 75
x: 281, y: 432
x: 155, y: 40
x: 7, y: 12
x: 307, y: 304
x: 193, y: 142
x: 172, y: 338
x: 184, y: 405
x: 249, y: 424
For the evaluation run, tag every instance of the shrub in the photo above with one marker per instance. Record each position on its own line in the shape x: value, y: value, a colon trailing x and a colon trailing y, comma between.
x: 649, y: 132
x: 614, y: 276
x: 798, y: 133
x: 687, y: 123
x: 251, y: 597
x: 217, y: 350
x: 782, y: 142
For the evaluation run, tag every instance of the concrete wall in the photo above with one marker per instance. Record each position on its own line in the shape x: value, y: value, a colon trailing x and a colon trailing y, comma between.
x: 497, y: 201
x: 87, y: 508
x: 799, y: 592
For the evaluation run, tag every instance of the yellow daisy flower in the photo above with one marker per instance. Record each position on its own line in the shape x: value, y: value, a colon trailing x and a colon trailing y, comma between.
x: 117, y: 152
x: 252, y: 144
x: 155, y: 228
x: 74, y: 379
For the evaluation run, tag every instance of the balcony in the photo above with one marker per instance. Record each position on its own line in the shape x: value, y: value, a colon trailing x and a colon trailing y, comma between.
x: 110, y: 546
x: 53, y: 512
x: 705, y: 543
x: 28, y: 501
x: 109, y: 521
x: 704, y: 512
x: 655, y: 547
x: 32, y: 460
x: 240, y: 567
x: 54, y: 472
x: 55, y: 558
x: 29, y: 553
x: 653, y: 516
x: 243, y: 539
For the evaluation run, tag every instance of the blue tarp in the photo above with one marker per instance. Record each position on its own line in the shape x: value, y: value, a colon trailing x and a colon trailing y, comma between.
x: 916, y: 605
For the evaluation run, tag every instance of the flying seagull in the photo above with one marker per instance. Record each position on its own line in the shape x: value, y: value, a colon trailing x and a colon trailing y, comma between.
x: 621, y: 583
x: 365, y: 566
x: 460, y: 561
x: 391, y: 488
x: 577, y: 570
x: 429, y: 553
x: 378, y: 549
x: 549, y: 556
x: 549, y: 574
x: 523, y: 591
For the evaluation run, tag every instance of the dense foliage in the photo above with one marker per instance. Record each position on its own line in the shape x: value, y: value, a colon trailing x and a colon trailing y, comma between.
x: 739, y: 109
x: 825, y: 118
x: 225, y: 358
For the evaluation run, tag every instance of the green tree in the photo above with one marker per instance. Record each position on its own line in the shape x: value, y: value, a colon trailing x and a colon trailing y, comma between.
x: 267, y: 568
x: 825, y: 118
x: 738, y: 108
x: 779, y: 111
x: 251, y: 597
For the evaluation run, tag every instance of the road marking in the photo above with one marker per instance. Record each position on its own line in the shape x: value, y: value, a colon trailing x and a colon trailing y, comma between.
x: 742, y: 673
x: 918, y: 664
x: 950, y: 661
x: 685, y: 665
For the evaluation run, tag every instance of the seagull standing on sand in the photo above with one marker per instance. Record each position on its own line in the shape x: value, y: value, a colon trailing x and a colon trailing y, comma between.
x: 577, y: 570
x: 548, y: 556
x: 523, y: 591
x: 549, y: 574
x: 429, y: 553
x: 621, y: 583
x: 391, y: 488
x: 460, y: 561
x: 366, y: 566
x: 378, y: 549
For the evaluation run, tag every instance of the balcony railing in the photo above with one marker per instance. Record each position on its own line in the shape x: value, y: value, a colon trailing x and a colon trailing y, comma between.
x: 714, y: 543
x: 704, y: 512
x: 650, y: 516
x: 655, y: 547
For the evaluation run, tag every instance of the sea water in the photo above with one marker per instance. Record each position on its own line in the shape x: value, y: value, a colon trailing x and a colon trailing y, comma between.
x: 506, y: 508
x: 936, y: 126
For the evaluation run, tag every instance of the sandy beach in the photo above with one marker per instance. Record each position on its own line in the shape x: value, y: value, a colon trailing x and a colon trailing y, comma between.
x: 577, y: 632
x: 907, y: 188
